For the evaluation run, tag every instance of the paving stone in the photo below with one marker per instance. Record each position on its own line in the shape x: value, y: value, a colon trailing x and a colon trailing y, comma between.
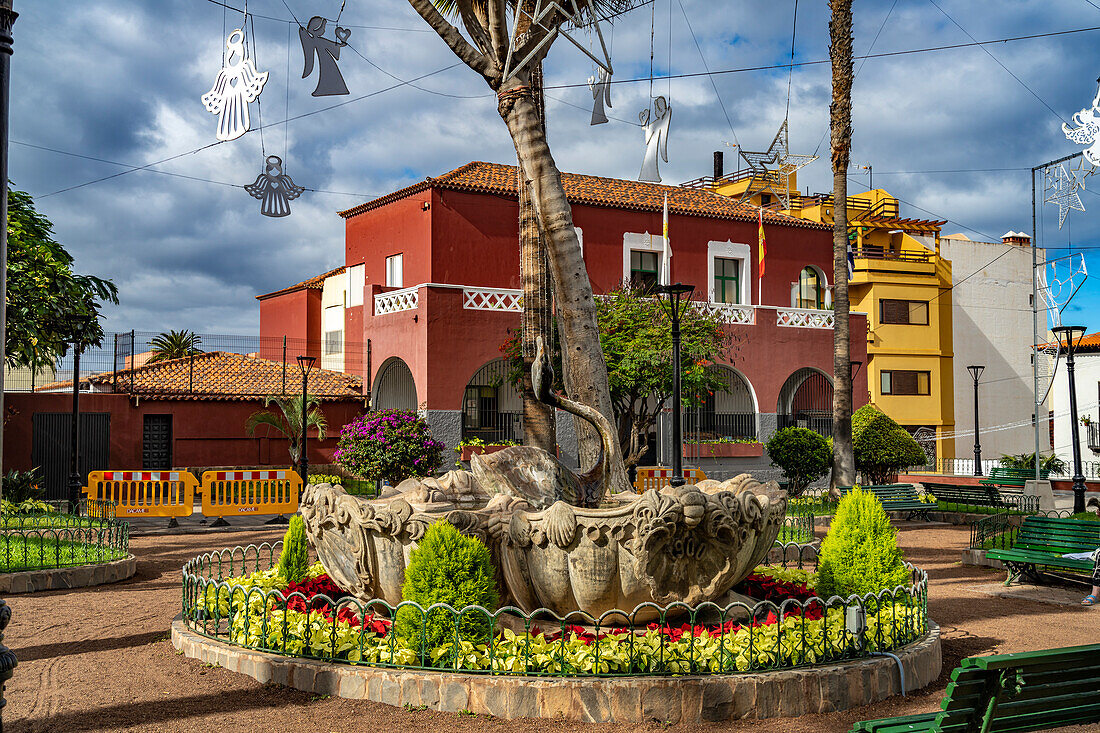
x: 391, y: 690
x: 662, y: 702
x: 429, y: 691
x: 523, y: 701
x: 716, y: 700
x: 453, y: 697
x: 554, y: 701
x: 593, y: 703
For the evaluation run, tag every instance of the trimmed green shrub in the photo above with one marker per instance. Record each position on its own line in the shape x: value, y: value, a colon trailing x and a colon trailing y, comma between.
x: 803, y: 454
x: 882, y: 447
x: 860, y: 553
x: 294, y: 562
x: 447, y: 567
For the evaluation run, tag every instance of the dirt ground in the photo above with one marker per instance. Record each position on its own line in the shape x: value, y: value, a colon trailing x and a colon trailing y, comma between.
x: 99, y: 659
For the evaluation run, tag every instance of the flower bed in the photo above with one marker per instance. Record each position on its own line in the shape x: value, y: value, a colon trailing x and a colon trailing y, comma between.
x: 790, y: 627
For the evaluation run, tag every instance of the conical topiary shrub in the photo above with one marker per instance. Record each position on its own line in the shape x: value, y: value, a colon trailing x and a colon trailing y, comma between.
x: 294, y: 561
x: 860, y: 553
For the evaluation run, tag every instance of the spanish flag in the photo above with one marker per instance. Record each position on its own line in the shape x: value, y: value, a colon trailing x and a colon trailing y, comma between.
x: 763, y: 244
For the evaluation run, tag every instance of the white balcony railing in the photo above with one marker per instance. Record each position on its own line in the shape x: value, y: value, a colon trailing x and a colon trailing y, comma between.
x: 492, y: 299
x: 396, y: 301
x: 732, y: 313
x: 803, y: 318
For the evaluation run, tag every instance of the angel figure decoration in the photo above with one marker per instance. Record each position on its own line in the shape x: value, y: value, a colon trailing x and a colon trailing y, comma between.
x: 237, y: 84
x: 329, y: 79
x: 601, y: 96
x: 274, y: 188
x: 655, y: 126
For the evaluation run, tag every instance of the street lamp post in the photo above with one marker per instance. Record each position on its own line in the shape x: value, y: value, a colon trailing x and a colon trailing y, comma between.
x: 305, y: 363
x: 75, y: 482
x: 976, y: 372
x: 678, y: 295
x: 1073, y: 336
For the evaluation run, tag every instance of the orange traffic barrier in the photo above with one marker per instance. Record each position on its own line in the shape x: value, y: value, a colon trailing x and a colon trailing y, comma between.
x: 145, y: 493
x: 237, y: 493
x: 653, y: 477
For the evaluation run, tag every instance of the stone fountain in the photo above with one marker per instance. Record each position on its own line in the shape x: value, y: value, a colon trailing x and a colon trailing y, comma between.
x: 559, y: 541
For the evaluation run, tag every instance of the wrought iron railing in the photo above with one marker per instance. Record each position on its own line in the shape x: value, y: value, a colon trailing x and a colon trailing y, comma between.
x: 494, y: 426
x: 872, y: 252
x: 822, y: 424
x: 27, y: 547
x: 650, y: 640
x: 701, y: 426
x: 1094, y: 437
x: 998, y: 531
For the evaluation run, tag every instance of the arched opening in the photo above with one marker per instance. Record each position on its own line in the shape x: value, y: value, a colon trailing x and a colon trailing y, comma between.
x: 806, y: 401
x: 492, y: 409
x: 729, y: 412
x: 394, y: 388
x: 811, y: 288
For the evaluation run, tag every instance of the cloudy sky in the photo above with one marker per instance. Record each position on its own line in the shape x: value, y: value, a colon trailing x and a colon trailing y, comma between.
x: 102, y: 86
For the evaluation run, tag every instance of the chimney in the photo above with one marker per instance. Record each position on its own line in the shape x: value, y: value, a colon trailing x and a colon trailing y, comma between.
x: 1011, y: 237
x: 719, y: 165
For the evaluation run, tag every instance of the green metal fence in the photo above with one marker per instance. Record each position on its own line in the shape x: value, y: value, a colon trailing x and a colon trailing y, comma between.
x: 649, y: 640
x: 59, y: 538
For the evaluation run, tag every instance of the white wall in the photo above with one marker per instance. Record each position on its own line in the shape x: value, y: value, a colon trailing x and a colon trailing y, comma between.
x: 1087, y: 378
x: 334, y: 298
x: 991, y: 320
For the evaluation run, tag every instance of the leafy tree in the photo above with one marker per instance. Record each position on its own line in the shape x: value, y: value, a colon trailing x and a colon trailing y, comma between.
x: 803, y: 454
x: 636, y: 338
x: 48, y: 304
x: 174, y: 345
x: 288, y: 420
x: 882, y: 447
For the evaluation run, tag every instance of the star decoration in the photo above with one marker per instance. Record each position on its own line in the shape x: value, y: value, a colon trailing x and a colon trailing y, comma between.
x: 1061, y: 188
x: 773, y: 168
x: 549, y: 8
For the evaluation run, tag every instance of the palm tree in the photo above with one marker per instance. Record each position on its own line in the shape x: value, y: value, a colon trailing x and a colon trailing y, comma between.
x: 288, y: 420
x: 840, y: 122
x: 174, y: 345
x: 486, y: 23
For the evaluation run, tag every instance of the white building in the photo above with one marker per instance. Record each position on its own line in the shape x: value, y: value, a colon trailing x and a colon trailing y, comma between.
x: 991, y: 316
x: 1087, y: 379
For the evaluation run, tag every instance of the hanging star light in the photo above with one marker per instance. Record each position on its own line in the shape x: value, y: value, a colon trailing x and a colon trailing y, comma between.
x: 1061, y: 188
x: 774, y: 167
x: 520, y: 43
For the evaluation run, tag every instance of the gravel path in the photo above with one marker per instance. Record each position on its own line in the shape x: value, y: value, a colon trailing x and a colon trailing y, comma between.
x: 99, y: 659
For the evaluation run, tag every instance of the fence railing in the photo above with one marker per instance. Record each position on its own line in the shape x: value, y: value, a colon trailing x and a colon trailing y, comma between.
x: 702, y: 426
x: 494, y: 426
x: 819, y: 424
x: 685, y: 640
x: 56, y: 540
x: 965, y: 467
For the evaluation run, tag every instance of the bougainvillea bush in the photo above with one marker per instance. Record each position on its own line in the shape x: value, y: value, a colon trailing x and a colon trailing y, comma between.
x: 388, y: 445
x: 314, y: 618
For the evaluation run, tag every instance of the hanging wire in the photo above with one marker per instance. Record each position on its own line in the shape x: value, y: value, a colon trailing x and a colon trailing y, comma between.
x: 286, y: 109
x: 669, y: 68
x: 256, y: 61
x: 710, y: 76
x: 790, y: 74
x: 652, y: 27
x: 342, y: 4
x: 221, y: 41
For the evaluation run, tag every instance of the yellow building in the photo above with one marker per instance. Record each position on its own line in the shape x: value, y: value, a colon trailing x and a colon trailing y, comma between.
x: 903, y: 285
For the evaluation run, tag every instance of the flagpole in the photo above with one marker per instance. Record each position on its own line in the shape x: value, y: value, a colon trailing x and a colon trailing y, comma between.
x: 668, y: 252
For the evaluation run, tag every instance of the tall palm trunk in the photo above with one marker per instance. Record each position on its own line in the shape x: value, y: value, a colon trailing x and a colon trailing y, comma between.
x: 840, y: 121
x: 538, y: 417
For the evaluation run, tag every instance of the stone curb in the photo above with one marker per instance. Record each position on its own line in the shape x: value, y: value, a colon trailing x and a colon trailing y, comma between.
x: 786, y: 693
x: 79, y: 576
x: 977, y: 557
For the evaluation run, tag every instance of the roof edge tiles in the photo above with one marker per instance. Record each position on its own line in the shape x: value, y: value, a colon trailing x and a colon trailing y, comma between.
x: 313, y: 283
x: 500, y: 179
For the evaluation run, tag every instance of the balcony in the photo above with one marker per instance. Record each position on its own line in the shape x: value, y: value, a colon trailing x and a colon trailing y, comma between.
x: 1094, y: 436
x: 871, y: 252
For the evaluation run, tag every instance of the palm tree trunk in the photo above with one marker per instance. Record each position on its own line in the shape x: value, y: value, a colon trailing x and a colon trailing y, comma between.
x: 585, y: 372
x: 538, y: 417
x: 840, y: 120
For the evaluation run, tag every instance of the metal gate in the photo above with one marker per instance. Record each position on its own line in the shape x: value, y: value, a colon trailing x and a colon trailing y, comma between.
x: 156, y: 443
x: 50, y: 448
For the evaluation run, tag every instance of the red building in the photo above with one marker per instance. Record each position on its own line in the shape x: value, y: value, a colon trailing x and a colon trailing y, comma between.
x: 430, y: 290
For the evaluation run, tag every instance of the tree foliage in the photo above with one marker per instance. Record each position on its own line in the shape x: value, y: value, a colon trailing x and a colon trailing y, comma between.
x: 174, y: 345
x: 636, y: 338
x: 1052, y: 464
x: 882, y: 447
x: 47, y: 304
x: 860, y: 553
x: 803, y: 454
x: 287, y: 419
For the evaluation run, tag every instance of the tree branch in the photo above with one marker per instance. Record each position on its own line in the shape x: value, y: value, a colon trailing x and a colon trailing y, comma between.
x: 454, y: 40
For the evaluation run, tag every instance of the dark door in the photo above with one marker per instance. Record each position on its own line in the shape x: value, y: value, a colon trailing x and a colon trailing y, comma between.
x: 156, y: 443
x: 50, y: 442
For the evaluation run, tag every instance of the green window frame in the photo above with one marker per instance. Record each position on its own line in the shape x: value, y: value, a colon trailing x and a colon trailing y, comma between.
x: 727, y: 280
x: 643, y: 269
x: 811, y: 291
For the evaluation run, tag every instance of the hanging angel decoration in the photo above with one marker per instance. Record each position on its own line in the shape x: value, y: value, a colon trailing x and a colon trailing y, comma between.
x: 1087, y: 131
x: 237, y: 84
x: 329, y: 79
x: 601, y: 96
x: 274, y: 188
x: 655, y: 126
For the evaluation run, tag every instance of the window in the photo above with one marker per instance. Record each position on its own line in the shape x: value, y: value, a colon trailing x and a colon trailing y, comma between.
x: 905, y: 382
x: 906, y: 312
x: 394, y: 272
x: 811, y: 292
x: 334, y: 342
x: 727, y: 280
x: 643, y: 269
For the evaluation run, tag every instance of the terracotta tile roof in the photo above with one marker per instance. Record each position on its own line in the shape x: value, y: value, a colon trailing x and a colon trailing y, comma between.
x: 495, y: 178
x: 1089, y: 343
x: 221, y: 375
x: 314, y: 283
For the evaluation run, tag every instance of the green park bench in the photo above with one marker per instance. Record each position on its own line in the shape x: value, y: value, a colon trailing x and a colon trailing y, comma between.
x: 986, y: 495
x: 897, y: 498
x: 1011, y: 477
x: 1041, y: 542
x: 1011, y: 692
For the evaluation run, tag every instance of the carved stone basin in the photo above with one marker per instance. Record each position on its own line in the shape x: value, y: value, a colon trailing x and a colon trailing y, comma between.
x: 678, y: 544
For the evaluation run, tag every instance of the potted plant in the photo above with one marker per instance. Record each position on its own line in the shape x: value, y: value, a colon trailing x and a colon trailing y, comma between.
x: 725, y: 448
x: 477, y: 446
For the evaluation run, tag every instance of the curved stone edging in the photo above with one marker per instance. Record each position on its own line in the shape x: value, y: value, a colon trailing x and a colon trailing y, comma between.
x: 78, y: 576
x: 784, y: 693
